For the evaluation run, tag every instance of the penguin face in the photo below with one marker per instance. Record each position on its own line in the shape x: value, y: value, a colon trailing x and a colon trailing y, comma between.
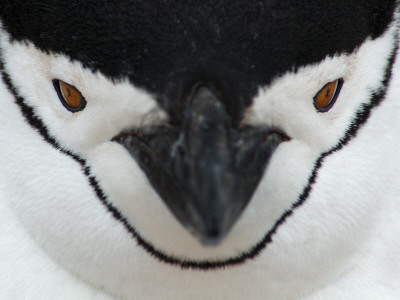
x: 96, y: 126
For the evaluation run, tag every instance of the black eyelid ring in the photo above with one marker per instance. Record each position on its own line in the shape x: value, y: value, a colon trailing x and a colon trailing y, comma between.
x: 340, y: 82
x: 56, y: 84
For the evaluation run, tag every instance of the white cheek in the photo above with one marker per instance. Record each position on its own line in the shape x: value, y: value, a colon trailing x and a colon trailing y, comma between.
x: 288, y: 102
x: 111, y: 106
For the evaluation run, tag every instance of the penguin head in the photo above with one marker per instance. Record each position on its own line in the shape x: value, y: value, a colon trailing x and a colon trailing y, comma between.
x: 190, y: 126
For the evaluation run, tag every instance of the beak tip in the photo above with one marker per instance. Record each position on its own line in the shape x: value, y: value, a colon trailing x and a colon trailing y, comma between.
x: 210, y: 241
x: 211, y: 236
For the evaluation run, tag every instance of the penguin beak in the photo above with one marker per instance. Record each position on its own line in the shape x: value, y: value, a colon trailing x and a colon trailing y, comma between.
x: 206, y: 171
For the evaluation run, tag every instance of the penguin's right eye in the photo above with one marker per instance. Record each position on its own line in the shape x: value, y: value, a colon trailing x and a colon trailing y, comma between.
x: 69, y: 96
x: 327, y: 95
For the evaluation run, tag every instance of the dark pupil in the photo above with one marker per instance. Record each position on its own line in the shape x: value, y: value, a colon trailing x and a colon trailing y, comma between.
x: 69, y: 92
x: 328, y: 92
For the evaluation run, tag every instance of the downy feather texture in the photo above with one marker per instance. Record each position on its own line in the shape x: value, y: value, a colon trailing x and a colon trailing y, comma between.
x: 79, y: 218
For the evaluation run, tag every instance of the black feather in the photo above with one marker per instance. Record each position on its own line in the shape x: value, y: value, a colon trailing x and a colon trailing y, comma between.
x: 167, y: 47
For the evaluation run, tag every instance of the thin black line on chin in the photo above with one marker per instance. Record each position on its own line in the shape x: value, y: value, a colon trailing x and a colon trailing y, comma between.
x: 360, y: 119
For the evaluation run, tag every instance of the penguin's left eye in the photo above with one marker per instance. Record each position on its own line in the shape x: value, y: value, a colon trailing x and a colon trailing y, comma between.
x: 327, y: 95
x: 69, y: 96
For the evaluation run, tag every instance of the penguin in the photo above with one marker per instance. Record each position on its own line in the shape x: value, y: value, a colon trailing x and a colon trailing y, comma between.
x: 199, y: 150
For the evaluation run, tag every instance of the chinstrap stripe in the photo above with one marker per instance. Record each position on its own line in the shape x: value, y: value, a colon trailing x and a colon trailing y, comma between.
x: 360, y: 119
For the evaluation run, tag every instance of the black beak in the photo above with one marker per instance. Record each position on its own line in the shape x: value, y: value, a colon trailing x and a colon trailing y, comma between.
x: 206, y: 171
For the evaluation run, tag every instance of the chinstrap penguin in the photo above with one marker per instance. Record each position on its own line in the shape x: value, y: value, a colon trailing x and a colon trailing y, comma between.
x: 199, y: 150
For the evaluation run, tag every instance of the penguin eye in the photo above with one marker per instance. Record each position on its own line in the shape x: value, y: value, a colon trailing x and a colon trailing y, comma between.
x: 327, y: 95
x: 69, y: 96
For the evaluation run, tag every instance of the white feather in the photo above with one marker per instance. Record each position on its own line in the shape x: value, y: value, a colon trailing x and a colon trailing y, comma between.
x: 58, y: 241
